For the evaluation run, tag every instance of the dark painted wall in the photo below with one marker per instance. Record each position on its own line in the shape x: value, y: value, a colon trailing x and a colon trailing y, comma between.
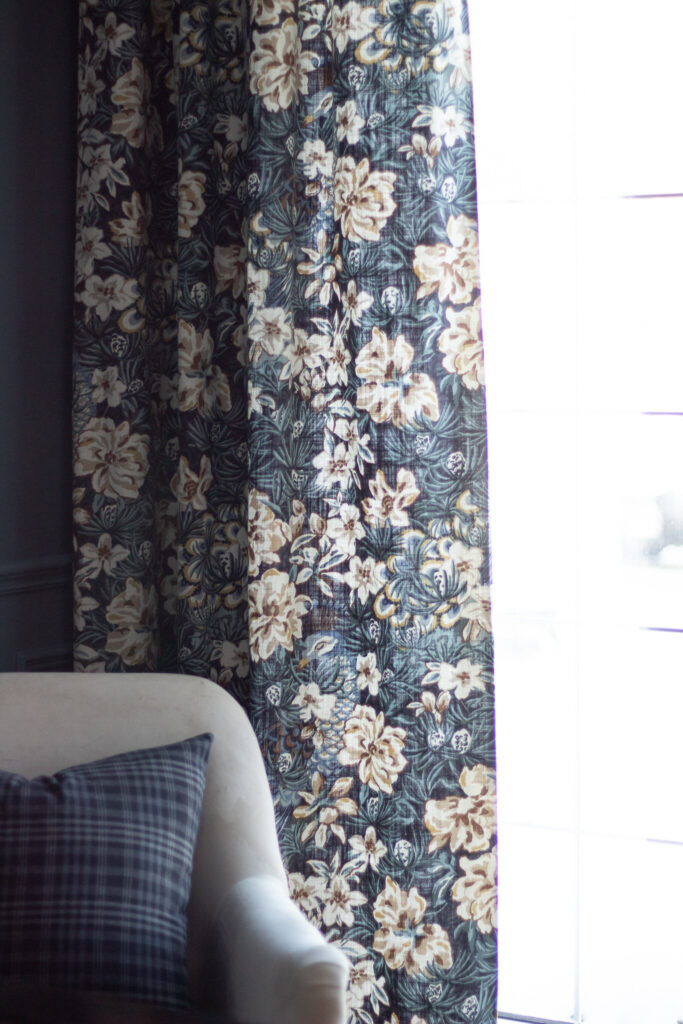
x: 37, y: 187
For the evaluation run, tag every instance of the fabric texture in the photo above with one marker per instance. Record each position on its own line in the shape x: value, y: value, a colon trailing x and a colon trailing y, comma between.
x: 95, y: 870
x: 280, y: 442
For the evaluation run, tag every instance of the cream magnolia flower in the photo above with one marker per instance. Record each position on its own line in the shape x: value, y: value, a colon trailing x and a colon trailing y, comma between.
x: 89, y: 248
x: 346, y: 528
x: 324, y: 809
x: 133, y: 612
x: 369, y: 676
x: 269, y: 332
x: 107, y: 386
x: 306, y: 892
x: 390, y: 391
x: 267, y: 534
x: 313, y: 704
x: 462, y: 678
x: 476, y: 609
x: 132, y: 226
x: 476, y: 891
x: 258, y: 279
x: 317, y: 159
x: 234, y: 657
x: 89, y: 88
x: 278, y: 67
x: 304, y: 352
x: 103, y: 556
x: 451, y: 269
x: 389, y: 504
x: 105, y: 294
x: 403, y: 939
x: 115, y: 459
x: 113, y: 35
x: 339, y: 901
x: 462, y: 346
x: 349, y: 123
x: 449, y: 124
x: 191, y: 205
x: 82, y: 603
x: 135, y: 121
x: 355, y: 303
x: 376, y: 748
x: 275, y: 614
x: 362, y: 982
x: 201, y: 384
x: 335, y: 465
x: 364, y: 577
x: 229, y: 264
x: 368, y: 849
x: 267, y: 12
x: 353, y: 21
x: 362, y: 199
x: 191, y: 488
x: 338, y: 360
x: 464, y: 822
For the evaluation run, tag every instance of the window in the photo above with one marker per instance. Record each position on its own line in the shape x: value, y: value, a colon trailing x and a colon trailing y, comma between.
x: 580, y: 184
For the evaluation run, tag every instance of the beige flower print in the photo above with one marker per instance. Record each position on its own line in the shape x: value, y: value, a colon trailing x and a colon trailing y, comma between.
x: 269, y: 332
x: 464, y: 822
x: 363, y: 200
x: 390, y: 391
x: 267, y: 534
x: 115, y: 459
x: 452, y: 270
x: 191, y: 488
x: 349, y: 123
x: 191, y: 205
x: 316, y: 159
x: 113, y: 35
x: 476, y: 891
x: 364, y: 577
x: 313, y: 704
x: 135, y: 121
x: 234, y: 658
x: 368, y: 674
x: 368, y: 850
x: 375, y: 747
x: 278, y: 67
x: 101, y: 557
x: 132, y: 226
x: 389, y: 504
x: 267, y: 12
x: 461, y: 679
x: 346, y: 528
x: 275, y: 614
x: 449, y: 124
x: 476, y: 610
x: 306, y: 892
x: 324, y: 809
x: 107, y: 386
x: 462, y: 346
x: 339, y: 901
x: 402, y: 938
x: 350, y: 22
x: 229, y: 264
x: 89, y: 248
x: 133, y: 612
x: 82, y: 603
x: 105, y: 294
x: 201, y: 384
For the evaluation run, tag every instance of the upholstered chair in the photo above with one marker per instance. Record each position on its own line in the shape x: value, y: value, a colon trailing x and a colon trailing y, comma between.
x: 251, y: 954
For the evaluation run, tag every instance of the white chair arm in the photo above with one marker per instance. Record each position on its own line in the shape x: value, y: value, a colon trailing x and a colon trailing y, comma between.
x: 280, y: 969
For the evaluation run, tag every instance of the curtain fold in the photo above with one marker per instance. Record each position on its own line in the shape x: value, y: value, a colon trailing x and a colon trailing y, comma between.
x: 280, y: 442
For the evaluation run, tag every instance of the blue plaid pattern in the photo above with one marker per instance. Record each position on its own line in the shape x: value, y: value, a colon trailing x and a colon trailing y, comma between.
x: 95, y: 870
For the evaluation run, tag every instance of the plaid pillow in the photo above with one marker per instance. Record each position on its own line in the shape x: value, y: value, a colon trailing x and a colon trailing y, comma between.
x: 95, y: 867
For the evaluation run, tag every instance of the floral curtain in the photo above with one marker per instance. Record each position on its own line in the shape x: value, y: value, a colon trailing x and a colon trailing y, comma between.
x: 280, y: 446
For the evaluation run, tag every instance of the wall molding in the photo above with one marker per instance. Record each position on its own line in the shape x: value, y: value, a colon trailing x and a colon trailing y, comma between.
x: 33, y: 574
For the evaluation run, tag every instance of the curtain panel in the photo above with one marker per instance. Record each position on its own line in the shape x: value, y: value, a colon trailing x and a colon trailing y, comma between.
x: 280, y: 442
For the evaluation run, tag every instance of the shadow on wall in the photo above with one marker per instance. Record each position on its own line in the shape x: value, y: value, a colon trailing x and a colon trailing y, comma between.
x: 38, y: 76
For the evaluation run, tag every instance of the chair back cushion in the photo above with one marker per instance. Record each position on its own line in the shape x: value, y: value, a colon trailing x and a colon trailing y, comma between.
x: 95, y: 871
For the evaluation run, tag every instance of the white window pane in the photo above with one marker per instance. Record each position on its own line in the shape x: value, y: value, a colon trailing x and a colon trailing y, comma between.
x: 536, y: 706
x: 537, y: 875
x: 528, y: 280
x: 532, y: 463
x: 630, y: 270
x: 630, y: 508
x: 631, y: 940
x: 629, y: 83
x: 522, y: 63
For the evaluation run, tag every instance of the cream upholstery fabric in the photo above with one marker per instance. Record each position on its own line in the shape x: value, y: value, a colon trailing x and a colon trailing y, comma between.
x: 251, y: 953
